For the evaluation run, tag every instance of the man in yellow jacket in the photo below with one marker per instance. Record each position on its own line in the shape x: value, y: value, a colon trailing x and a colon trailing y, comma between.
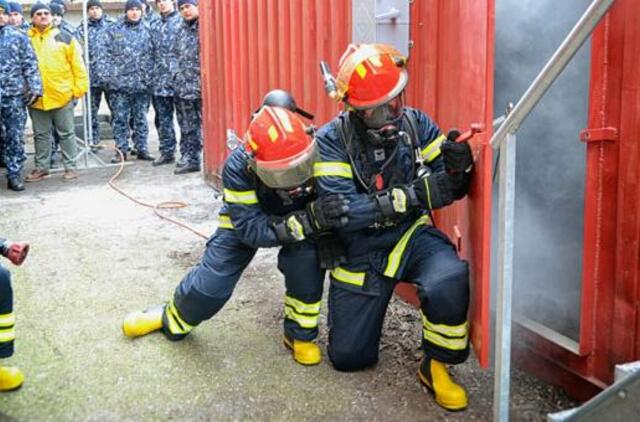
x: 65, y: 79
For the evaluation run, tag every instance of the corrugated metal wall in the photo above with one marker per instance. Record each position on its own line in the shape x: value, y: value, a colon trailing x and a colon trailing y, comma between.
x: 252, y: 46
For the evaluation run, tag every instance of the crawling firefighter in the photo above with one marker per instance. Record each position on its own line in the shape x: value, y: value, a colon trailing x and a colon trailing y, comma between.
x: 11, y: 378
x: 269, y: 201
x: 394, y: 166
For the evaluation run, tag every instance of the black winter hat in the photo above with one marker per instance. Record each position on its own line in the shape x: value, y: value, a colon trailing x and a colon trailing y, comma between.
x: 56, y: 9
x: 92, y: 3
x: 130, y: 4
x: 38, y: 6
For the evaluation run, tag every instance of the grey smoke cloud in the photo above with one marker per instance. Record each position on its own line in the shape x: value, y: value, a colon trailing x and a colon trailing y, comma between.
x: 550, y: 159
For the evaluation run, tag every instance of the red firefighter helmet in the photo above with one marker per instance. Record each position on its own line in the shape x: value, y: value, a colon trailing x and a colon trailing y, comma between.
x: 370, y: 75
x: 283, y: 151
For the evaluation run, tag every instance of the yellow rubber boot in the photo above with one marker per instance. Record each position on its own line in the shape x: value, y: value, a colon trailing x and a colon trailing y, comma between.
x: 144, y: 322
x: 304, y: 352
x: 11, y: 378
x: 434, y: 376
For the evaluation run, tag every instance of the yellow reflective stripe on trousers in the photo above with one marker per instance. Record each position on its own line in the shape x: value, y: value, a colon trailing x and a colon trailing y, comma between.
x: 431, y: 151
x: 7, y: 320
x: 395, y: 257
x: 447, y: 343
x: 301, y: 307
x: 176, y: 324
x: 447, y: 330
x: 224, y: 222
x: 303, y: 320
x: 332, y: 168
x: 347, y: 276
x: 247, y: 197
x: 7, y: 335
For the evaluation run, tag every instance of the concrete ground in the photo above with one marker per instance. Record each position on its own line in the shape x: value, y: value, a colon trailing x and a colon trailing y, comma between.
x: 96, y: 256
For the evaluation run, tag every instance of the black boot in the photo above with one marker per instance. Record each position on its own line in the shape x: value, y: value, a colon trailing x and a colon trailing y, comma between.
x: 163, y: 159
x: 145, y: 156
x: 116, y: 158
x: 187, y: 168
x: 15, y: 183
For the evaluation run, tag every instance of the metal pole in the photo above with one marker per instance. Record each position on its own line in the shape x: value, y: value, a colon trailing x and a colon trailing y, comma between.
x: 505, y: 278
x: 552, y: 69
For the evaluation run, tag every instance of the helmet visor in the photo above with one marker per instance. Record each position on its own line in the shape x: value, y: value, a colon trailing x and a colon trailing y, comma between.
x: 288, y: 173
x: 383, y: 115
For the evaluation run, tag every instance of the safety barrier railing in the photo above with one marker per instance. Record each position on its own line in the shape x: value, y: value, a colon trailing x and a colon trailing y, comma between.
x: 504, y: 139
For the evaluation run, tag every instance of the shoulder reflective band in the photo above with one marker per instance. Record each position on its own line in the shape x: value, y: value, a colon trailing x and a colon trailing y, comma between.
x: 332, y: 168
x: 431, y: 151
x: 393, y: 262
x: 447, y: 330
x: 176, y: 324
x: 346, y: 276
x: 247, y: 197
x: 224, y: 222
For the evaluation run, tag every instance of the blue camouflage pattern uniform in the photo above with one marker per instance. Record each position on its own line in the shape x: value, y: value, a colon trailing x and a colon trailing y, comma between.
x: 245, y: 226
x: 24, y: 27
x: 164, y: 31
x: 125, y: 65
x: 19, y: 78
x: 185, y: 73
x: 98, y: 86
x: 383, y: 252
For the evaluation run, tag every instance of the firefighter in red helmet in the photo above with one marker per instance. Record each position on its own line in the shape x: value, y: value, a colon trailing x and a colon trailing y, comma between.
x: 394, y: 166
x: 269, y: 201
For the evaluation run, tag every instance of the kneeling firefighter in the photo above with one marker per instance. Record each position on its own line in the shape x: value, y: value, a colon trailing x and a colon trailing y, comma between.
x: 269, y: 201
x: 394, y: 166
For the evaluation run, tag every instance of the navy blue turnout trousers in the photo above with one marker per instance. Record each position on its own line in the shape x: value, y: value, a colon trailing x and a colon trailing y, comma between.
x: 7, y: 319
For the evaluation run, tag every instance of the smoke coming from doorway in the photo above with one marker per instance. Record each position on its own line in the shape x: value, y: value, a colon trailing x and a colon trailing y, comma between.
x: 550, y: 159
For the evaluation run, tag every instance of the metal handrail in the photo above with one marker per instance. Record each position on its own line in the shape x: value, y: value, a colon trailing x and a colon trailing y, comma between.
x: 505, y: 138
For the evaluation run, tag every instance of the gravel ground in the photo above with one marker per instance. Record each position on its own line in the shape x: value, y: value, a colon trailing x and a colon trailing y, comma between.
x: 97, y: 256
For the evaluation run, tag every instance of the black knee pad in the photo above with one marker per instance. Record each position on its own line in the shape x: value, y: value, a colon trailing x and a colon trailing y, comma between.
x: 448, y: 297
x: 348, y: 361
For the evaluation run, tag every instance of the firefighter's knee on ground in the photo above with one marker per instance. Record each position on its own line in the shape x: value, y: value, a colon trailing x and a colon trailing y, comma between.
x: 351, y: 360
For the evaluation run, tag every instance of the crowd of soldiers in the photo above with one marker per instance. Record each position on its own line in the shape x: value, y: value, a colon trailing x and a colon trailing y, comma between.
x: 140, y: 58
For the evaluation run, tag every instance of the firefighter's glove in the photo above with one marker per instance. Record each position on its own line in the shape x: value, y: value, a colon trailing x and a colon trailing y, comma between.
x: 435, y: 190
x: 330, y: 251
x: 396, y: 201
x: 329, y: 212
x: 293, y: 227
x: 457, y: 156
x: 14, y: 252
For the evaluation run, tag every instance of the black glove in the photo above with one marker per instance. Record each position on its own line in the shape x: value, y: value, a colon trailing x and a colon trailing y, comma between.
x: 330, y: 251
x: 457, y: 156
x: 434, y: 191
x: 323, y: 214
x: 31, y: 98
x: 329, y: 212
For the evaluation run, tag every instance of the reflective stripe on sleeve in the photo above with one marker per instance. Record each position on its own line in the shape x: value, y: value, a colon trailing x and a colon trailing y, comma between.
x: 332, y: 168
x: 224, y: 222
x: 346, y: 276
x: 395, y: 257
x: 432, y: 151
x: 301, y: 307
x: 247, y: 197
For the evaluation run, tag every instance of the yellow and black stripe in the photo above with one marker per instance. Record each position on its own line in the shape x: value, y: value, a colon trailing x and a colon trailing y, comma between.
x: 452, y: 337
x: 7, y: 328
x: 175, y: 323
x: 306, y: 315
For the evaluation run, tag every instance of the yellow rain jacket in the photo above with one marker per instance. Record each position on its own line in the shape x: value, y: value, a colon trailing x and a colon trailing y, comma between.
x: 64, y: 75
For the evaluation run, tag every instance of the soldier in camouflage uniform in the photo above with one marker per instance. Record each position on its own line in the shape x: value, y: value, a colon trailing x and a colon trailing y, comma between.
x: 164, y: 31
x: 58, y: 10
x: 20, y: 85
x: 185, y: 71
x: 98, y: 22
x: 16, y: 17
x: 126, y: 66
